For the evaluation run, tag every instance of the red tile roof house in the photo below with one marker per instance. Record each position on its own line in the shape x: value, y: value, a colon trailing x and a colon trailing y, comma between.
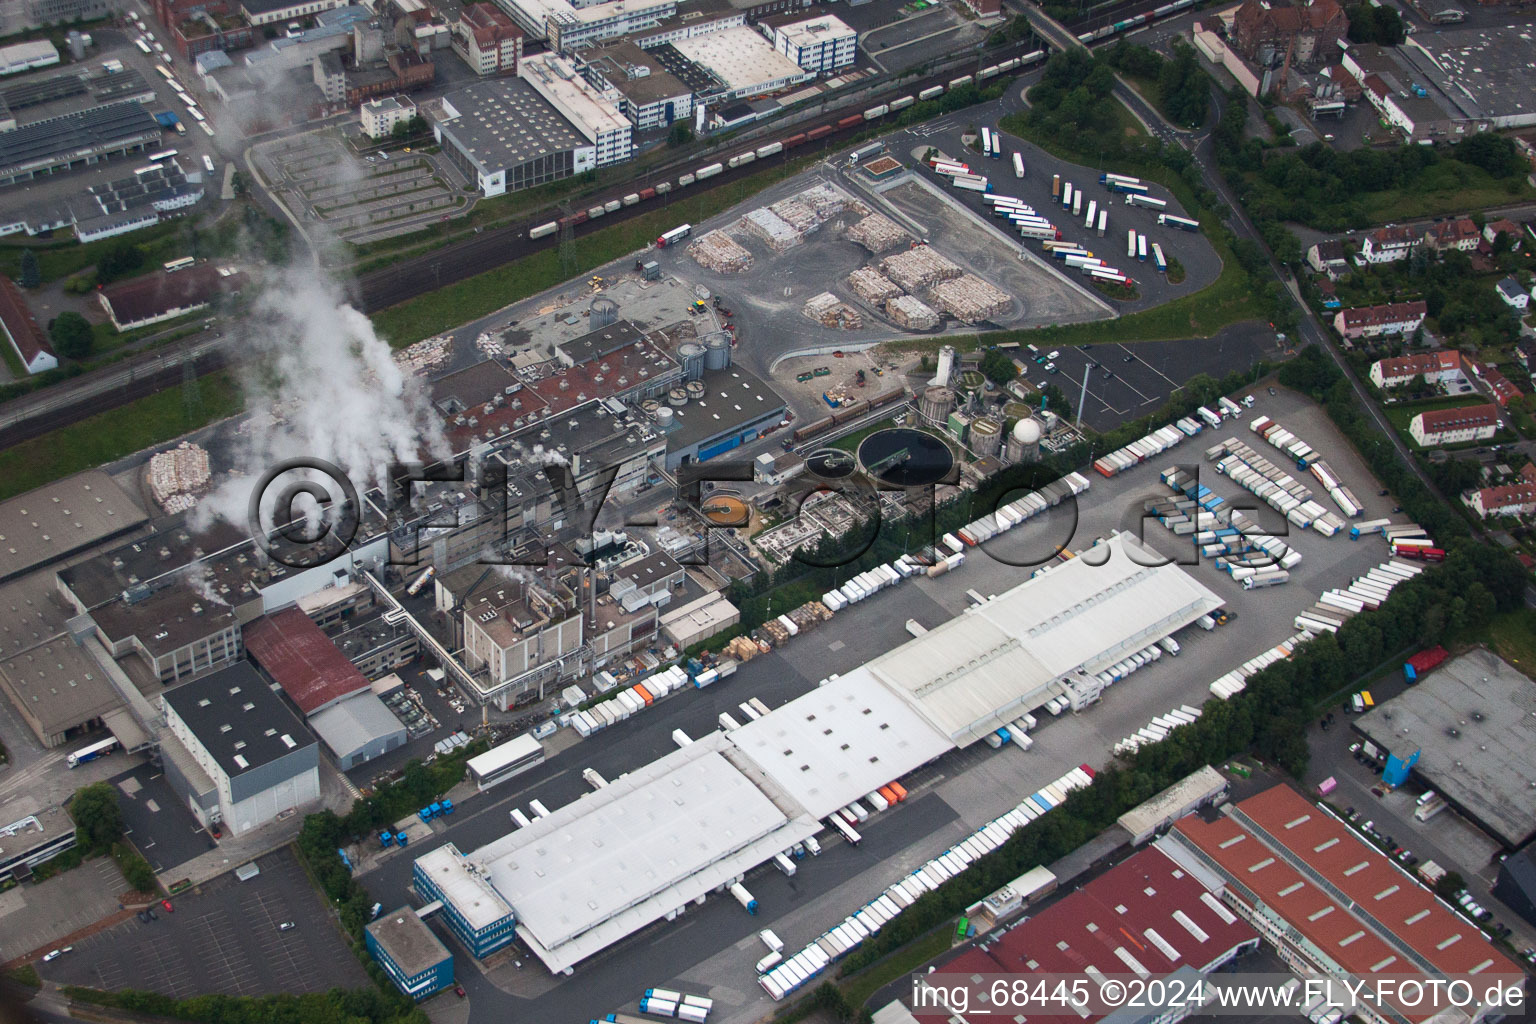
x: 1335, y: 905
x: 1460, y: 233
x: 1400, y: 370
x: 165, y: 296
x: 1455, y: 426
x: 21, y: 329
x: 1510, y: 500
x: 1503, y: 391
x: 1503, y: 226
x: 1376, y: 321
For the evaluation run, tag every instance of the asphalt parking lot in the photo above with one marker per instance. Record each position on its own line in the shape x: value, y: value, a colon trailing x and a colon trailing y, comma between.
x: 222, y: 937
x: 1126, y: 382
x: 156, y: 820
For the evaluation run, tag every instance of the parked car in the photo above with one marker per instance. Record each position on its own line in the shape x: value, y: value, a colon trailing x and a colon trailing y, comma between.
x: 286, y: 926
x: 167, y: 905
x: 144, y: 916
x: 458, y: 990
x: 53, y: 955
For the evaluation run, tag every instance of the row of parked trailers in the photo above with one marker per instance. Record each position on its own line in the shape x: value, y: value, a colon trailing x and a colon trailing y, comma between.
x: 871, y: 582
x: 1239, y: 544
x: 1336, y: 607
x: 1307, y: 458
x: 1163, y: 438
x: 773, y: 148
x: 1158, y: 729
x: 1275, y: 487
x: 634, y: 699
x: 791, y: 973
x: 1236, y: 681
x: 1015, y: 512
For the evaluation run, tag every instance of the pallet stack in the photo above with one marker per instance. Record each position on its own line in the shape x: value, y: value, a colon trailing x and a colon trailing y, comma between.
x: 919, y: 268
x: 719, y: 252
x: 830, y: 311
x: 779, y: 233
x: 971, y: 300
x: 872, y: 286
x: 911, y: 313
x: 878, y: 233
x: 178, y: 476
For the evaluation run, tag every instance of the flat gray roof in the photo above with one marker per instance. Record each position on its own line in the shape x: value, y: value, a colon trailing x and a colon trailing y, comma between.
x: 408, y: 941
x: 505, y: 123
x: 1474, y: 721
x: 1173, y: 802
x: 59, y: 685
x: 355, y: 722
x: 58, y: 519
x: 733, y: 397
x: 1485, y: 72
x: 615, y: 860
x: 996, y: 661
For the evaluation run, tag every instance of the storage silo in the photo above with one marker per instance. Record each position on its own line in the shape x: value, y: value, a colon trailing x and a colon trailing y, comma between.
x: 603, y: 312
x: 691, y: 355
x: 664, y: 417
x: 695, y: 390
x: 936, y: 404
x: 986, y: 436
x: 650, y: 407
x: 1024, y: 442
x: 677, y: 397
x: 717, y: 352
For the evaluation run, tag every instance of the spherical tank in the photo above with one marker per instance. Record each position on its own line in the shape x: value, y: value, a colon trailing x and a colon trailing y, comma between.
x: 936, y: 404
x: 691, y: 355
x: 1024, y: 442
x: 717, y: 352
x: 677, y: 396
x: 986, y: 436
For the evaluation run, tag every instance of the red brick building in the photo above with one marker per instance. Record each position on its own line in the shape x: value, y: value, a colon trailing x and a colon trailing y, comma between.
x: 1306, y: 33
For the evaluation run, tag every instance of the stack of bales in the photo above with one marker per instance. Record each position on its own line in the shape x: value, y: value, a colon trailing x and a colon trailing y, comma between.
x: 911, y: 313
x: 798, y: 214
x: 827, y: 201
x: 970, y: 299
x: 878, y: 233
x: 918, y: 268
x: 178, y: 476
x: 424, y: 356
x: 779, y: 233
x: 830, y: 311
x: 717, y: 251
x: 868, y: 284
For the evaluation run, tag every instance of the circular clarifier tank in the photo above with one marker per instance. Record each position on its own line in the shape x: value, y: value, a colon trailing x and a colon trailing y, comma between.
x: 905, y: 458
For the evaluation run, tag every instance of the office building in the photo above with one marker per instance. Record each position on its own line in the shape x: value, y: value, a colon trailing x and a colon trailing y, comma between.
x: 819, y: 45
x: 409, y: 953
x: 594, y: 116
x: 487, y: 40
x: 380, y: 116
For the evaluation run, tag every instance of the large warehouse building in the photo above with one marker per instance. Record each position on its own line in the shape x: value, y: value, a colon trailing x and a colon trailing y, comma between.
x: 690, y: 823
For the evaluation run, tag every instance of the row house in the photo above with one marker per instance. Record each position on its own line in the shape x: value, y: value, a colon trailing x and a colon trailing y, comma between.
x: 1503, y: 391
x: 1386, y: 245
x: 1378, y: 321
x: 1455, y: 426
x: 1433, y: 366
x: 1507, y: 500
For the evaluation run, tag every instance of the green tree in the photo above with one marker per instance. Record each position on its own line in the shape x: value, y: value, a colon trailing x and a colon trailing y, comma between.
x: 403, y: 129
x: 998, y: 367
x: 679, y: 134
x: 31, y: 275
x: 119, y: 261
x: 71, y: 335
x: 98, y: 820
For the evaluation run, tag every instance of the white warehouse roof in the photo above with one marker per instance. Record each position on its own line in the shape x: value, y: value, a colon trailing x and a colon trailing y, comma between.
x: 831, y: 746
x: 617, y: 859
x: 992, y: 663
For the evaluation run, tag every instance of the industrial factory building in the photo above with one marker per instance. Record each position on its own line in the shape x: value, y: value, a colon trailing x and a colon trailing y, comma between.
x: 503, y: 136
x: 734, y: 407
x: 670, y: 833
x: 77, y: 139
x: 596, y: 118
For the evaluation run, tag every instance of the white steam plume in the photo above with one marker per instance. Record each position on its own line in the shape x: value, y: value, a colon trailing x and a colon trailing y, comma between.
x: 338, y: 393
x: 199, y: 577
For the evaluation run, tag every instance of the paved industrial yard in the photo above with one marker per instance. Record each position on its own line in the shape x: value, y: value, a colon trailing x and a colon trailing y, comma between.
x: 223, y: 937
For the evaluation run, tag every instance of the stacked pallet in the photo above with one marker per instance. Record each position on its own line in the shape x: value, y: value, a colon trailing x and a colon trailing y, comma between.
x: 918, y: 268
x: 827, y: 201
x: 773, y: 229
x: 877, y: 233
x: 742, y: 649
x: 425, y: 356
x: 797, y: 213
x: 911, y: 313
x: 719, y: 252
x: 178, y: 476
x: 830, y: 311
x: 872, y: 286
x: 971, y: 300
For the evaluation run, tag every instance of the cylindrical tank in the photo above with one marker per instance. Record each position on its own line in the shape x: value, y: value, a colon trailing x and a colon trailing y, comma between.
x: 677, y: 396
x: 695, y: 390
x: 1048, y: 420
x: 650, y: 407
x: 986, y: 436
x: 691, y: 355
x: 664, y: 417
x: 936, y: 404
x: 603, y: 312
x: 717, y: 352
x: 1024, y: 442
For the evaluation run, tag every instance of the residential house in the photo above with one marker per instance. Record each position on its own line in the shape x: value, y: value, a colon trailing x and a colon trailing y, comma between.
x: 1513, y: 293
x: 1328, y: 257
x: 1503, y: 226
x: 1377, y: 321
x: 1384, y: 245
x: 1434, y: 367
x: 1458, y: 233
x: 21, y: 329
x: 1503, y: 391
x: 1506, y: 500
x: 1329, y: 293
x: 1454, y: 426
x: 1525, y: 353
